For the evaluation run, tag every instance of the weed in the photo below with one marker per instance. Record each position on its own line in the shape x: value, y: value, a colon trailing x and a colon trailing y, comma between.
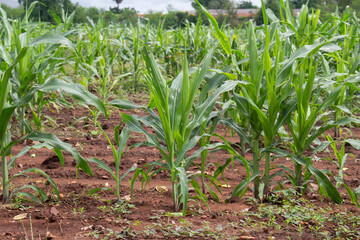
x: 121, y: 207
x: 80, y: 211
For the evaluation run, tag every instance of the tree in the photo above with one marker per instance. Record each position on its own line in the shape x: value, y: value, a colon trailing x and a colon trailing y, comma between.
x: 118, y: 3
x: 41, y: 10
x: 330, y: 6
x: 309, y: 3
x: 128, y: 15
x: 14, y: 13
x: 246, y: 5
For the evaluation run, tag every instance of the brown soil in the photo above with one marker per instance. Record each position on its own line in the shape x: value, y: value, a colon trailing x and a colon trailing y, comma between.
x: 80, y: 215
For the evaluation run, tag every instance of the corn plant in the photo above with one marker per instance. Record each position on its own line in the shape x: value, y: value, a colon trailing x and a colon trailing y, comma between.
x: 121, y: 138
x: 9, y: 103
x: 268, y: 99
x: 177, y: 127
x: 50, y: 141
x: 263, y: 99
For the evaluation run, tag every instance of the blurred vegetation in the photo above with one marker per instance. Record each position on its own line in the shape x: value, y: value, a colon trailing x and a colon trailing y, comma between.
x: 173, y: 19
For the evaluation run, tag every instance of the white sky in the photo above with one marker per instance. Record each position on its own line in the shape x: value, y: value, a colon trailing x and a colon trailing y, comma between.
x: 142, y: 6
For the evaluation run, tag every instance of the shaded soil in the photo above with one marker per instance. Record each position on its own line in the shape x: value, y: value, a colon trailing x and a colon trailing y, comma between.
x: 82, y: 215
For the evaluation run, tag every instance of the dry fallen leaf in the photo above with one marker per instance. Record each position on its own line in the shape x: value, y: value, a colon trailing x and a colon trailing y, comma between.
x: 225, y: 185
x: 87, y: 228
x: 314, y: 187
x: 126, y: 198
x: 20, y: 216
x: 246, y: 237
x: 161, y: 189
x: 245, y: 209
x: 49, y: 236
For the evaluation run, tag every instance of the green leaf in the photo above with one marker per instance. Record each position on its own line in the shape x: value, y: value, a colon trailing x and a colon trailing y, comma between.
x: 354, y: 143
x: 56, y: 143
x: 74, y: 90
x: 241, y: 188
x: 36, y: 170
x: 124, y: 104
x: 135, y: 126
x: 184, y: 189
x: 224, y: 40
x: 52, y: 39
x: 322, y: 179
x: 102, y: 165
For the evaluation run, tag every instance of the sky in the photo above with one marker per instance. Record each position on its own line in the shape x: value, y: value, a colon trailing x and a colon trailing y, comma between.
x: 141, y: 6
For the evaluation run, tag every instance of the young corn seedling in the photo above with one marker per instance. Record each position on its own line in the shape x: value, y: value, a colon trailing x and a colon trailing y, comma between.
x: 341, y: 157
x: 265, y: 99
x: 177, y: 125
x: 121, y: 138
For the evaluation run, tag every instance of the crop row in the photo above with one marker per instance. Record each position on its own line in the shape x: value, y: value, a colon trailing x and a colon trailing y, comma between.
x: 279, y: 87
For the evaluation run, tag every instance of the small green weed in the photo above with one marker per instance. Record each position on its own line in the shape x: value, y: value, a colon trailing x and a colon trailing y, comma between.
x: 287, y: 211
x: 121, y: 207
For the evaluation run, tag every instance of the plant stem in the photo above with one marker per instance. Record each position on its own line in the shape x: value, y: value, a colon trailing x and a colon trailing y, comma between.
x: 298, y: 177
x: 336, y: 128
x: 266, y: 173
x: 204, y: 154
x: 176, y: 207
x: 255, y: 149
x: 243, y: 147
x: 5, y: 179
x: 22, y: 119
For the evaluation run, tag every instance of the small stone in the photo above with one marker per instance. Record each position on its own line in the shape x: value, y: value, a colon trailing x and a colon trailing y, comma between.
x: 104, y: 177
x: 108, y: 220
x: 20, y: 165
x: 61, y: 195
x: 54, y: 211
x: 33, y: 155
x: 246, y: 237
x: 106, y: 184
